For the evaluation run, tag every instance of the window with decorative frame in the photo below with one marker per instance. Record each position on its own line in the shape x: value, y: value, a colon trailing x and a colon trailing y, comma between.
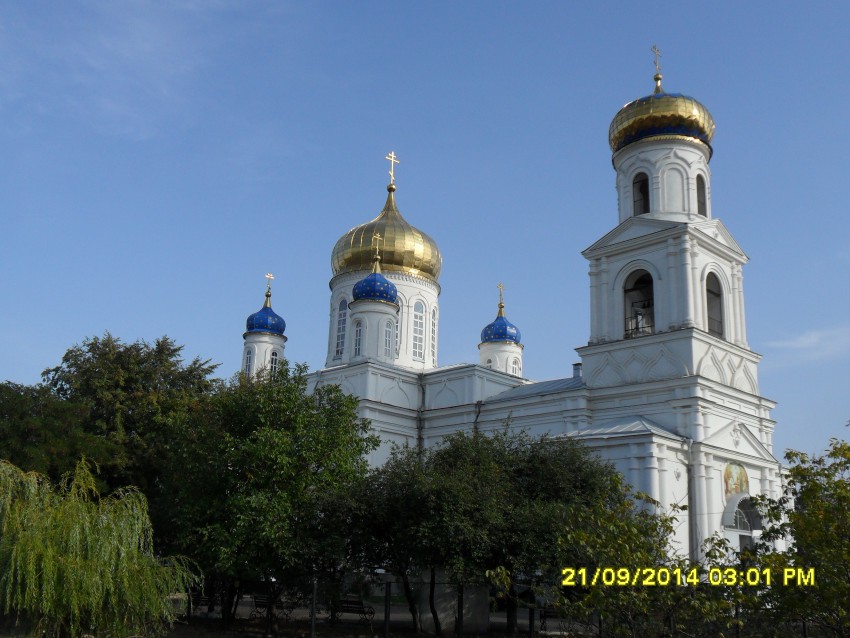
x: 248, y: 361
x: 358, y: 337
x: 274, y: 362
x: 640, y: 194
x: 341, y: 317
x: 434, y: 337
x: 419, y: 331
x: 389, y: 333
x: 702, y: 202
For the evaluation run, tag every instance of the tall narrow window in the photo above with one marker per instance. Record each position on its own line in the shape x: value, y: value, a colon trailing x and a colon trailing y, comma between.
x: 419, y: 331
x: 639, y: 302
x: 274, y: 363
x: 341, y: 316
x: 515, y: 367
x: 714, y: 305
x: 358, y: 337
x: 640, y: 194
x: 434, y: 336
x: 702, y: 207
x: 248, y: 362
x: 389, y: 333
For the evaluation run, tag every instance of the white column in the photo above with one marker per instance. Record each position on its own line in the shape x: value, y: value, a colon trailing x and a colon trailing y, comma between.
x: 594, y: 300
x: 698, y: 294
x: 741, y: 312
x: 607, y: 302
x: 686, y: 287
x: 676, y: 311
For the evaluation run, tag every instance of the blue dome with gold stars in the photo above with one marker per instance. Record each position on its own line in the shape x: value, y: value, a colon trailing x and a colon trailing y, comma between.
x: 500, y: 329
x: 266, y: 319
x: 375, y: 287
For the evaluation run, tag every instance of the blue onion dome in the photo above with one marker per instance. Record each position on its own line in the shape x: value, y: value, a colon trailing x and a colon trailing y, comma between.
x: 661, y: 114
x: 500, y: 329
x: 375, y: 287
x: 266, y: 319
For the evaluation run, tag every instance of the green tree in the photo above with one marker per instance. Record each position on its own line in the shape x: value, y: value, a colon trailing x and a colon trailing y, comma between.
x: 45, y: 434
x: 131, y: 394
x: 73, y: 564
x: 261, y: 460
x: 386, y: 514
x: 813, y: 517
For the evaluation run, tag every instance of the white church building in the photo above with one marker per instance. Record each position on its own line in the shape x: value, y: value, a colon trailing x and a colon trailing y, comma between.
x: 667, y: 388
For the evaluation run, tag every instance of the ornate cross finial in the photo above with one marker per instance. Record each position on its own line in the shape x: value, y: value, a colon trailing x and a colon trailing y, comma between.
x: 657, y: 53
x: 501, y: 288
x: 376, y: 240
x: 270, y: 277
x: 393, y: 161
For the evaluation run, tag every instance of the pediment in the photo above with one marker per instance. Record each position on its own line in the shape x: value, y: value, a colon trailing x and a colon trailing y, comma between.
x: 716, y: 231
x: 737, y: 439
x: 632, y: 228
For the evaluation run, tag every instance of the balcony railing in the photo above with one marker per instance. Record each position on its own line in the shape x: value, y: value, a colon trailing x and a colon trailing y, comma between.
x: 638, y: 327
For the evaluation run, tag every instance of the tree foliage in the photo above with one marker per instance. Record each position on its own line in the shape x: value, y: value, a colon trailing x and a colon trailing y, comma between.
x: 75, y: 564
x: 131, y: 394
x: 479, y: 503
x: 43, y: 433
x: 813, y: 516
x: 260, y: 461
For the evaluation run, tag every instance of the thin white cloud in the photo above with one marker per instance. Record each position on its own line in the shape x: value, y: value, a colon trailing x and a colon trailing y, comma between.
x: 121, y: 68
x: 814, y: 345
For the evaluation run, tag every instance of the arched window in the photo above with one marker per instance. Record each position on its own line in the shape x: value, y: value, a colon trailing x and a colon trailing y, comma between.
x: 702, y: 206
x: 274, y: 363
x: 247, y: 367
x: 341, y: 316
x: 515, y: 367
x: 639, y: 304
x: 714, y: 305
x: 358, y: 337
x: 741, y: 521
x: 389, y: 332
x: 640, y: 194
x: 419, y: 331
x: 434, y: 336
x: 489, y: 363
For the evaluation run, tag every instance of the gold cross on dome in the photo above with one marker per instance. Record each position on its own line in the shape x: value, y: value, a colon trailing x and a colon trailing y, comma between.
x: 269, y: 276
x: 376, y: 240
x: 393, y: 161
x: 657, y: 53
x: 501, y: 287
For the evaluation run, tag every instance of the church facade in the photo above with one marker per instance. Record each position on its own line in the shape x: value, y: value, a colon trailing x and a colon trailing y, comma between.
x: 667, y: 388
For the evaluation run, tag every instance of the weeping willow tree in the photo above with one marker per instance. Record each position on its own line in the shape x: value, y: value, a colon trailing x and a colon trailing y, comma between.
x: 72, y: 563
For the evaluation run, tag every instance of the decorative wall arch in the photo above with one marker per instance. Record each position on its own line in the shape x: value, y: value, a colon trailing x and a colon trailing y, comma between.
x: 674, y: 181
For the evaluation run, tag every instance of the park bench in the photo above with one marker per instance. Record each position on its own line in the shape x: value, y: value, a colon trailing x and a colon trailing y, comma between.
x: 280, y: 608
x: 352, y: 605
x: 201, y: 603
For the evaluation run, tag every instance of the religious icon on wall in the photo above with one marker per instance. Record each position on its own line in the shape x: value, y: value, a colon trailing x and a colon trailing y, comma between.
x: 735, y: 480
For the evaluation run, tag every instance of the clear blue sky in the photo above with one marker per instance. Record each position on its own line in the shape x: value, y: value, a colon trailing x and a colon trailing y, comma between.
x: 158, y: 158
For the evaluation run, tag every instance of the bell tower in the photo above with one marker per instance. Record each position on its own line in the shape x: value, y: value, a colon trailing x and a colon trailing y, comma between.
x: 667, y: 354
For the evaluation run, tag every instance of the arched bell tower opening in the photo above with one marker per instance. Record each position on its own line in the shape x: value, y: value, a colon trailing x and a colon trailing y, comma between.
x: 702, y: 200
x: 639, y: 305
x: 640, y: 194
x: 714, y: 305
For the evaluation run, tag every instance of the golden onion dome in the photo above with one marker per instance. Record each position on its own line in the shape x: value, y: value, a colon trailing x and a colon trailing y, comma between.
x: 661, y: 114
x: 403, y: 247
